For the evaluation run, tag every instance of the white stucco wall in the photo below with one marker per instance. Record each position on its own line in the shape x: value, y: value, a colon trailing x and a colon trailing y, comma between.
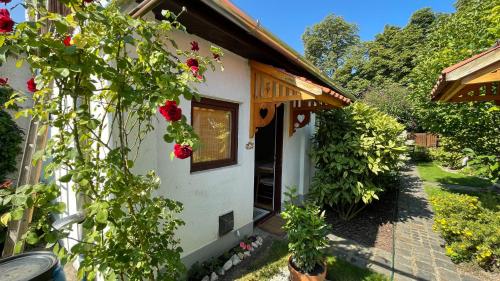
x: 296, y: 161
x: 207, y: 194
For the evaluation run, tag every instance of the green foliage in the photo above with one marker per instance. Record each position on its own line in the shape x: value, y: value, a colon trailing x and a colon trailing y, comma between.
x: 327, y: 43
x: 471, y: 230
x: 484, y: 165
x: 13, y: 202
x: 111, y: 79
x: 387, y: 59
x: 453, y: 38
x: 392, y: 99
x: 446, y: 158
x: 307, y: 230
x: 11, y: 138
x: 353, y: 148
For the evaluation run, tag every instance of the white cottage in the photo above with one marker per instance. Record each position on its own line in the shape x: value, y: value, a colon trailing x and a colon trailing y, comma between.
x: 254, y: 121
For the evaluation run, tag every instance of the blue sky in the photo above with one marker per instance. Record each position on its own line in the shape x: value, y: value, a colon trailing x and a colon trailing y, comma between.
x: 289, y: 18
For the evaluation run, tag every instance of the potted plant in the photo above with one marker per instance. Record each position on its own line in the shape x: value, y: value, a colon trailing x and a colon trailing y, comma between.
x: 307, y: 230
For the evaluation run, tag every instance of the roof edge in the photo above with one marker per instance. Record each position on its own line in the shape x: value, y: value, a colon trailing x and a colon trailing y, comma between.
x: 238, y: 17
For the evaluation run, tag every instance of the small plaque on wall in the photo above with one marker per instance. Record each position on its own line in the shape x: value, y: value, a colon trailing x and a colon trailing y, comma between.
x: 226, y: 223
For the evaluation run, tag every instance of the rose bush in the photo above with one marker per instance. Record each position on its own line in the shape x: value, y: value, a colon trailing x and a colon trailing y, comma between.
x: 113, y: 76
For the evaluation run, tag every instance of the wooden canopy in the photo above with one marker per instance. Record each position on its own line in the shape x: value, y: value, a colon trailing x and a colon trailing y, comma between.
x: 271, y: 87
x: 474, y: 79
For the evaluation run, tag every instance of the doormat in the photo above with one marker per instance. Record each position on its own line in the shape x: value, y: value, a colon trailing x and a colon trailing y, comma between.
x: 273, y: 225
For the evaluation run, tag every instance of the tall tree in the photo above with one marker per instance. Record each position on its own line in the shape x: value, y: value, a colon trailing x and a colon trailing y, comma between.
x: 327, y: 43
x: 471, y: 29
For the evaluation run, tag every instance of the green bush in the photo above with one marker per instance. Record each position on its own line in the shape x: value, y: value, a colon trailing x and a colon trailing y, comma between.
x: 353, y: 148
x: 10, y: 138
x: 307, y: 230
x: 470, y: 228
x: 448, y: 154
x: 445, y: 158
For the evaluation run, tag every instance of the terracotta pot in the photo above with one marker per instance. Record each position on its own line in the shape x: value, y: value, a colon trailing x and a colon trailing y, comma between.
x: 298, y: 276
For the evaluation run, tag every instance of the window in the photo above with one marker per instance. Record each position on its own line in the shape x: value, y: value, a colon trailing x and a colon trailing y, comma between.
x: 216, y: 123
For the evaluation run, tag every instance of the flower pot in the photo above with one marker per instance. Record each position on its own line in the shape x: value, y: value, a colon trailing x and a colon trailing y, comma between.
x: 296, y: 275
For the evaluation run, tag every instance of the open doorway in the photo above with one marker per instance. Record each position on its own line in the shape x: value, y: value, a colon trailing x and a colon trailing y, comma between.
x: 268, y: 164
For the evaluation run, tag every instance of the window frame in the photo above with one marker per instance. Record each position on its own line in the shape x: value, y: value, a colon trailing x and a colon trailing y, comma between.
x: 225, y: 106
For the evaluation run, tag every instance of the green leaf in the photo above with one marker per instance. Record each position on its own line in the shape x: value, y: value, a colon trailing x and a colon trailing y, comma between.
x: 102, y: 216
x: 32, y: 238
x: 5, y: 218
x: 64, y: 72
x: 65, y: 178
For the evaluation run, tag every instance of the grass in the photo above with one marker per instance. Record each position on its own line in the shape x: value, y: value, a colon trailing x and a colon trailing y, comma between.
x: 338, y: 269
x: 431, y: 172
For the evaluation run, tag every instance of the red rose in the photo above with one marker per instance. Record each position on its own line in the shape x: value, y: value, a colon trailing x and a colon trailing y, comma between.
x: 194, y: 46
x: 5, y: 1
x: 31, y: 85
x: 194, y: 70
x: 192, y: 62
x: 170, y: 111
x: 6, y: 22
x: 182, y: 151
x: 3, y: 81
x: 67, y: 41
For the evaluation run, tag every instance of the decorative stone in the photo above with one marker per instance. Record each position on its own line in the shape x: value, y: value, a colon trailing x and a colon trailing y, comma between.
x: 247, y: 254
x: 206, y: 278
x: 235, y: 259
x: 227, y: 266
x: 214, y: 277
x: 221, y: 271
x: 241, y: 256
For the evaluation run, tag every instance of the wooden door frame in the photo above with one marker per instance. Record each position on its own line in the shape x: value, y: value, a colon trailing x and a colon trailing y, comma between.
x: 278, y: 165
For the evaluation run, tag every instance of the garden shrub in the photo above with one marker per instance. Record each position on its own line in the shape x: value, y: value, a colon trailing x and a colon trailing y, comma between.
x: 10, y: 138
x: 445, y: 158
x: 449, y: 154
x: 353, y: 148
x: 470, y: 228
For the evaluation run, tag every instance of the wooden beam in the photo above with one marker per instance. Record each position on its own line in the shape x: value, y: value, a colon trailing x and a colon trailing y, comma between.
x: 493, y: 76
x: 474, y: 66
x: 287, y: 78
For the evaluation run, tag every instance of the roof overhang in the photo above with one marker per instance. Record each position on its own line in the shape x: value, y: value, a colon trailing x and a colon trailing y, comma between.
x: 474, y: 79
x: 222, y: 23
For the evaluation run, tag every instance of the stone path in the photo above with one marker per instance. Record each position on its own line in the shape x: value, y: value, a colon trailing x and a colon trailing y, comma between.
x: 419, y: 251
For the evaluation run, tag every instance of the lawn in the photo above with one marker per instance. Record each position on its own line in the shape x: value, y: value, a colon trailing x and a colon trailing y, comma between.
x: 431, y: 172
x: 338, y: 269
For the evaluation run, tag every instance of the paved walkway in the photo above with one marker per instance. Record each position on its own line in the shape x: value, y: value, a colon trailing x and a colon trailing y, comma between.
x: 419, y: 253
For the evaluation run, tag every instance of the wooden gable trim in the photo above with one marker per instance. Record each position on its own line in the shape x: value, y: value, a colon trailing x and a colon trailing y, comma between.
x: 271, y: 87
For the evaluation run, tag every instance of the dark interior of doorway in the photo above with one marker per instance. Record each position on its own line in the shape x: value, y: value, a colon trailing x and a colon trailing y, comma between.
x: 268, y: 163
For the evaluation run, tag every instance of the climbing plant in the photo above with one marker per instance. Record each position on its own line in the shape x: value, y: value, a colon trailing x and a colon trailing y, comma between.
x: 100, y: 80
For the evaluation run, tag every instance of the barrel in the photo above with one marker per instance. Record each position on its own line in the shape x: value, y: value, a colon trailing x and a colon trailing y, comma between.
x: 31, y: 266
